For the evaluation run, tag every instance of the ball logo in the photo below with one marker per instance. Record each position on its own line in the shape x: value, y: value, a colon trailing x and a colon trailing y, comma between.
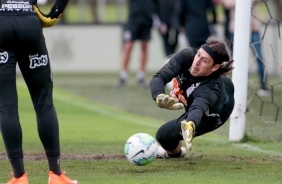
x: 36, y: 61
x: 3, y: 57
x: 140, y: 152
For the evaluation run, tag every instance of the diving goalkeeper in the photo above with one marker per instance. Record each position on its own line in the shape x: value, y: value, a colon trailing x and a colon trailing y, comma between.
x: 200, y: 86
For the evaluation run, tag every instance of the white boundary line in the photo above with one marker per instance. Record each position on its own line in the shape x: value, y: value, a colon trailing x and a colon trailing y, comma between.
x: 257, y: 149
x: 244, y: 146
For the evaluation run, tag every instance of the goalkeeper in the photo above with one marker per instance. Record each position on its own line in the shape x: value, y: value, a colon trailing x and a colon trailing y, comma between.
x: 22, y: 43
x: 200, y: 86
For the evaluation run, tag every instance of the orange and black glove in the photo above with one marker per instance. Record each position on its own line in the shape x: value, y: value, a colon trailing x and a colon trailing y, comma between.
x: 177, y: 92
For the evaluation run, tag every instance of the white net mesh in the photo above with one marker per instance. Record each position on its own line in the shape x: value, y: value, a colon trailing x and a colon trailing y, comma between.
x: 264, y: 113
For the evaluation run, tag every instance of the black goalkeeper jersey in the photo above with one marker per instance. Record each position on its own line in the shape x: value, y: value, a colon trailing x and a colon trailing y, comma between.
x: 210, y: 96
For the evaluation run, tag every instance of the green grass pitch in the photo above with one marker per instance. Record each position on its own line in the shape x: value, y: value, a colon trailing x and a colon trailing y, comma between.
x: 93, y: 137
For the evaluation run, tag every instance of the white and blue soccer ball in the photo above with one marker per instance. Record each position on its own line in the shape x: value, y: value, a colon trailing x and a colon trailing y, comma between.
x: 141, y: 149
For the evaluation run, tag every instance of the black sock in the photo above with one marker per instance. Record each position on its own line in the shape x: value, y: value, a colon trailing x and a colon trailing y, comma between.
x: 175, y: 155
x: 54, y: 165
x: 18, y: 167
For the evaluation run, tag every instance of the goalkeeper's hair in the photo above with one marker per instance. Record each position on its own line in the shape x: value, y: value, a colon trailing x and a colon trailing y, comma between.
x: 219, y: 48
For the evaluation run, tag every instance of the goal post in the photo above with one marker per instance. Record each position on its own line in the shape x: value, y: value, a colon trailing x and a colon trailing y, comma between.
x: 240, y: 72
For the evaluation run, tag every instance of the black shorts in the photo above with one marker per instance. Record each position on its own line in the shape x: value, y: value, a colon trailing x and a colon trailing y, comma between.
x: 137, y: 31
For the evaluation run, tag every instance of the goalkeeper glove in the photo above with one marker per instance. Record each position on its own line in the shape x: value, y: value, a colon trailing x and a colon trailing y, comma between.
x: 50, y: 19
x: 168, y: 102
x: 188, y: 132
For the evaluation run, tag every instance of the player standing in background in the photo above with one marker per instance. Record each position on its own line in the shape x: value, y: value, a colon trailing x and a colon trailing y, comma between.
x: 201, y: 87
x: 194, y: 19
x: 165, y: 21
x: 138, y: 27
x: 22, y: 42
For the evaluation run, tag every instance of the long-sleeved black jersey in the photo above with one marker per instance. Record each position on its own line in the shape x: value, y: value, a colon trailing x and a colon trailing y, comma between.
x: 211, y: 95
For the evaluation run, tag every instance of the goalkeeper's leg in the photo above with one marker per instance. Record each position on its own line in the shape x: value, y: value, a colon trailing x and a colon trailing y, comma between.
x: 169, y: 138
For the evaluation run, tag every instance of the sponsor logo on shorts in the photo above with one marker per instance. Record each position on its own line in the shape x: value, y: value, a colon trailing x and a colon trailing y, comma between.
x: 4, y: 57
x: 37, y: 61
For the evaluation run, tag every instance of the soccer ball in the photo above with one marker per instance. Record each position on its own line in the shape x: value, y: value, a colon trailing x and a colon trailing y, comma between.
x: 141, y: 149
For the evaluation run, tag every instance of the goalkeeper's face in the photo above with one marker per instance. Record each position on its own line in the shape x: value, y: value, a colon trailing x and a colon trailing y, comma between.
x: 203, y: 64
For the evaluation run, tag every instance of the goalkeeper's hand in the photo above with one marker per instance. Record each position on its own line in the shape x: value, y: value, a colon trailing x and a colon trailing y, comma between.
x: 50, y: 19
x: 168, y: 102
